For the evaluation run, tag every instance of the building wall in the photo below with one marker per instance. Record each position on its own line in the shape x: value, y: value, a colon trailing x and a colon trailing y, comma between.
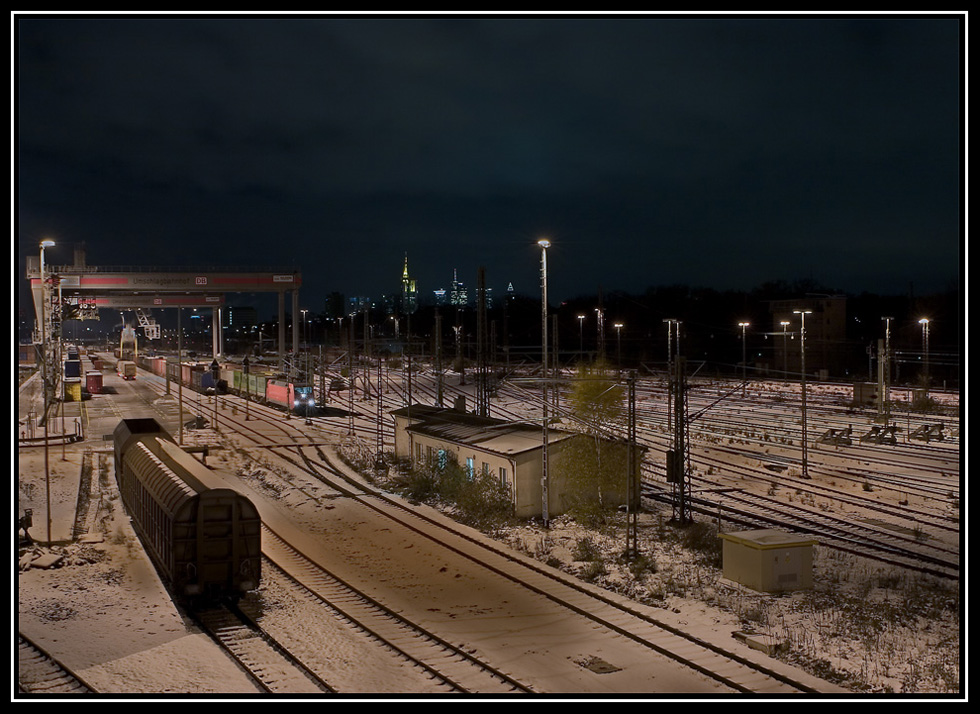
x: 424, y: 450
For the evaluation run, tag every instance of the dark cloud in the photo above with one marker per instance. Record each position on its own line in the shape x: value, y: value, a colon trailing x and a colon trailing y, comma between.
x: 717, y: 152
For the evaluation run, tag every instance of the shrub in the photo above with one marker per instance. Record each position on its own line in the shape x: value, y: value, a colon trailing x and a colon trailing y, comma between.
x: 480, y: 497
x: 586, y: 550
x: 593, y: 571
x: 702, y: 538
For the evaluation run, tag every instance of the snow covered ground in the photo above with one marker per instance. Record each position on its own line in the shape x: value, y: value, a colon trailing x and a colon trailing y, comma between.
x: 105, y: 613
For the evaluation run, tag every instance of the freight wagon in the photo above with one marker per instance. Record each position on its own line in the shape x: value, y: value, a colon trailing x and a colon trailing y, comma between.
x: 203, y: 536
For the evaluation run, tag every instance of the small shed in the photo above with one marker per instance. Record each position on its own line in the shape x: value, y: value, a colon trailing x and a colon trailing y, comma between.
x: 768, y: 560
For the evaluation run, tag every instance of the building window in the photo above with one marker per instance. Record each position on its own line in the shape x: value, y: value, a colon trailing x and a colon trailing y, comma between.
x: 418, y: 453
x: 503, y: 476
x: 443, y: 458
x: 469, y: 466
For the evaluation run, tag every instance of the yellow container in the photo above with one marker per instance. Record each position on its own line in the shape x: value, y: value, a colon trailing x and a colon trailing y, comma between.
x: 73, y: 390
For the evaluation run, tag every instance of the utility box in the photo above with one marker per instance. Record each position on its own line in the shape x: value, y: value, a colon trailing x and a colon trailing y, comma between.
x: 865, y: 392
x: 768, y: 560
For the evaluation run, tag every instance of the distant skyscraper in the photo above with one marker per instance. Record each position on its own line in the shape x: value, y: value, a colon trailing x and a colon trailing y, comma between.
x: 333, y: 306
x: 457, y: 295
x: 357, y: 305
x: 239, y: 318
x: 410, y: 297
x: 441, y: 296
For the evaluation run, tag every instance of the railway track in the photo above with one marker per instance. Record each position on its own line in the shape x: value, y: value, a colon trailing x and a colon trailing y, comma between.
x: 580, y: 600
x: 845, y: 542
x: 267, y: 662
x: 883, y: 542
x: 877, y: 542
x: 603, y: 610
x: 40, y: 673
x: 455, y: 669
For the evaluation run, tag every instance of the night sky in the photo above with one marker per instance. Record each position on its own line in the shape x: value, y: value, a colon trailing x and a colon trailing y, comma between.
x: 652, y: 150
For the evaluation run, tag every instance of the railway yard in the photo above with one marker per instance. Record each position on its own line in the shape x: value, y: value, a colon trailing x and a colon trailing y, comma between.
x: 366, y: 593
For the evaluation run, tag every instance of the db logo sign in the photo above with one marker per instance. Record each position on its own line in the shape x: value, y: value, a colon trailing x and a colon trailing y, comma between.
x: 200, y: 281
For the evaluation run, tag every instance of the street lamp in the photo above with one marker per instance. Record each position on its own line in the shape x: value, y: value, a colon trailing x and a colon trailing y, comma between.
x: 581, y: 320
x: 215, y: 373
x: 925, y: 348
x: 619, y: 344
x: 545, y: 244
x: 743, y: 325
x: 46, y: 243
x: 785, y: 324
x: 803, y: 313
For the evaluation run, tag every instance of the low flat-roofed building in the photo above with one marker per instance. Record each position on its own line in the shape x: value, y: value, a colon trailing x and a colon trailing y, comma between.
x: 510, y: 451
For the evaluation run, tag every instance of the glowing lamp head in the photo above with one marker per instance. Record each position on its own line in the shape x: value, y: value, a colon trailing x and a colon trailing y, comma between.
x: 544, y: 243
x: 47, y: 243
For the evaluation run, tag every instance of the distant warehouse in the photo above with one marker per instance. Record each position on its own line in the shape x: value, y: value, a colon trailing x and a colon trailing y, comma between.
x: 510, y: 451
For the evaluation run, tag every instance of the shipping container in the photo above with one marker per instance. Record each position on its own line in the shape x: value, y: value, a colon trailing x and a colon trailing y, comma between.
x: 73, y: 368
x: 93, y: 382
x: 73, y: 390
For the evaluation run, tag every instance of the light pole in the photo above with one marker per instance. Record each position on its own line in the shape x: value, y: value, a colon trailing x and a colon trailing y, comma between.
x: 885, y: 389
x: 785, y: 324
x: 670, y: 361
x: 925, y: 348
x: 743, y: 325
x: 619, y: 344
x: 545, y: 244
x: 47, y: 243
x: 245, y: 379
x: 803, y: 313
x: 215, y: 372
x: 581, y: 350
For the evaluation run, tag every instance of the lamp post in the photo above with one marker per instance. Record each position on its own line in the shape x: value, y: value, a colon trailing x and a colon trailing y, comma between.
x: 245, y: 365
x: 545, y: 244
x: 47, y: 243
x: 581, y: 350
x: 670, y: 361
x: 925, y: 348
x: 803, y: 313
x: 785, y: 324
x: 743, y: 325
x: 619, y: 344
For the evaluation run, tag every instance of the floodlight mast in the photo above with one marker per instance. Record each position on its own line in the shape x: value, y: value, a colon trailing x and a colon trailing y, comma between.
x: 803, y: 313
x: 545, y: 244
